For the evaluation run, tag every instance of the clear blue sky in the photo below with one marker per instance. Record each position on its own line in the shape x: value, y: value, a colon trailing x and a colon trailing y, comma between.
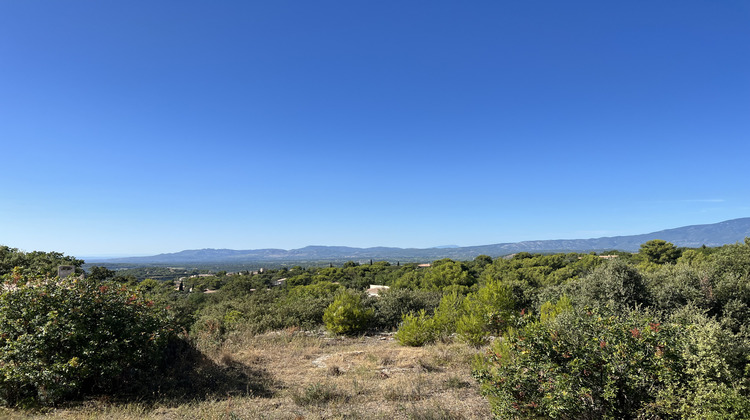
x: 142, y: 127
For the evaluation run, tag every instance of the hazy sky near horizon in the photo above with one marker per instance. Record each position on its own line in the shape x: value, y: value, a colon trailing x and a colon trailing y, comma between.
x: 142, y: 127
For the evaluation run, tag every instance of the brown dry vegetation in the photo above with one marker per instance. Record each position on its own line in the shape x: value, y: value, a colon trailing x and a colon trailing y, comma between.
x: 291, y: 375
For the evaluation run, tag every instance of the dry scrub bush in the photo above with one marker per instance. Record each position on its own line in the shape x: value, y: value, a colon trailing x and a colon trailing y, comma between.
x: 61, y: 339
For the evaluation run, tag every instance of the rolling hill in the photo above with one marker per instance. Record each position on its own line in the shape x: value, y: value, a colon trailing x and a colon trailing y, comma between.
x: 716, y: 234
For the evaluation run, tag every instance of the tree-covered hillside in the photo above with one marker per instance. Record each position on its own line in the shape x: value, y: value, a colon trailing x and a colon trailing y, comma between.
x: 712, y: 235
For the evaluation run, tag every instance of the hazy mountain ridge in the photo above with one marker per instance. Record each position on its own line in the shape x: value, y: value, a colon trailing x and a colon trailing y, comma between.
x: 716, y: 234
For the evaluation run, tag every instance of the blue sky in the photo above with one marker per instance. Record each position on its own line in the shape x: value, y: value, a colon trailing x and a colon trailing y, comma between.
x: 142, y: 127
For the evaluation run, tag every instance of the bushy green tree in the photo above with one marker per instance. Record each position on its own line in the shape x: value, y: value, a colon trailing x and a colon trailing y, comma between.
x: 614, y: 284
x: 299, y: 280
x: 731, y: 287
x: 447, y: 315
x: 485, y: 312
x: 528, y: 276
x: 675, y: 286
x: 65, y: 338
x: 410, y: 279
x: 733, y: 259
x: 347, y: 314
x: 417, y: 329
x: 447, y: 273
x: 698, y: 257
x: 659, y: 251
x: 482, y: 261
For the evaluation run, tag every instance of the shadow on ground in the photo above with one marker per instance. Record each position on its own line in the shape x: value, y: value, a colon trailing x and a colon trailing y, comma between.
x: 189, y: 375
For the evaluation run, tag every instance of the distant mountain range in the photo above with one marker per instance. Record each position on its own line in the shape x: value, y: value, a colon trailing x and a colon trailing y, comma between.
x: 711, y: 235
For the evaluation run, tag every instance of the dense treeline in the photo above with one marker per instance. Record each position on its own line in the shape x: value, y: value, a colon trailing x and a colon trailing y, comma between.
x: 35, y: 263
x: 662, y: 333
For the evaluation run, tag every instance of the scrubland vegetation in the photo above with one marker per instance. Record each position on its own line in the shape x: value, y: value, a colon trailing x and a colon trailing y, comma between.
x: 662, y: 333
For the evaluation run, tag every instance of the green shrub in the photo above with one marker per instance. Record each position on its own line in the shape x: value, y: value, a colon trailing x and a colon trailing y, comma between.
x: 447, y: 314
x: 731, y: 294
x: 550, y: 311
x: 591, y: 364
x: 674, y: 286
x: 261, y: 311
x: 420, y: 328
x: 486, y: 312
x: 734, y: 259
x: 715, y: 371
x: 347, y: 314
x: 63, y: 338
x: 409, y: 280
x: 580, y: 366
x: 305, y: 312
x: 446, y: 273
x: 393, y: 304
x: 615, y: 285
x: 416, y: 330
x: 304, y: 306
x: 321, y: 289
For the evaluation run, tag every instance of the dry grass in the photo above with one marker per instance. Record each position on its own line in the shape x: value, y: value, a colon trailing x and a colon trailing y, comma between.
x: 320, y: 378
